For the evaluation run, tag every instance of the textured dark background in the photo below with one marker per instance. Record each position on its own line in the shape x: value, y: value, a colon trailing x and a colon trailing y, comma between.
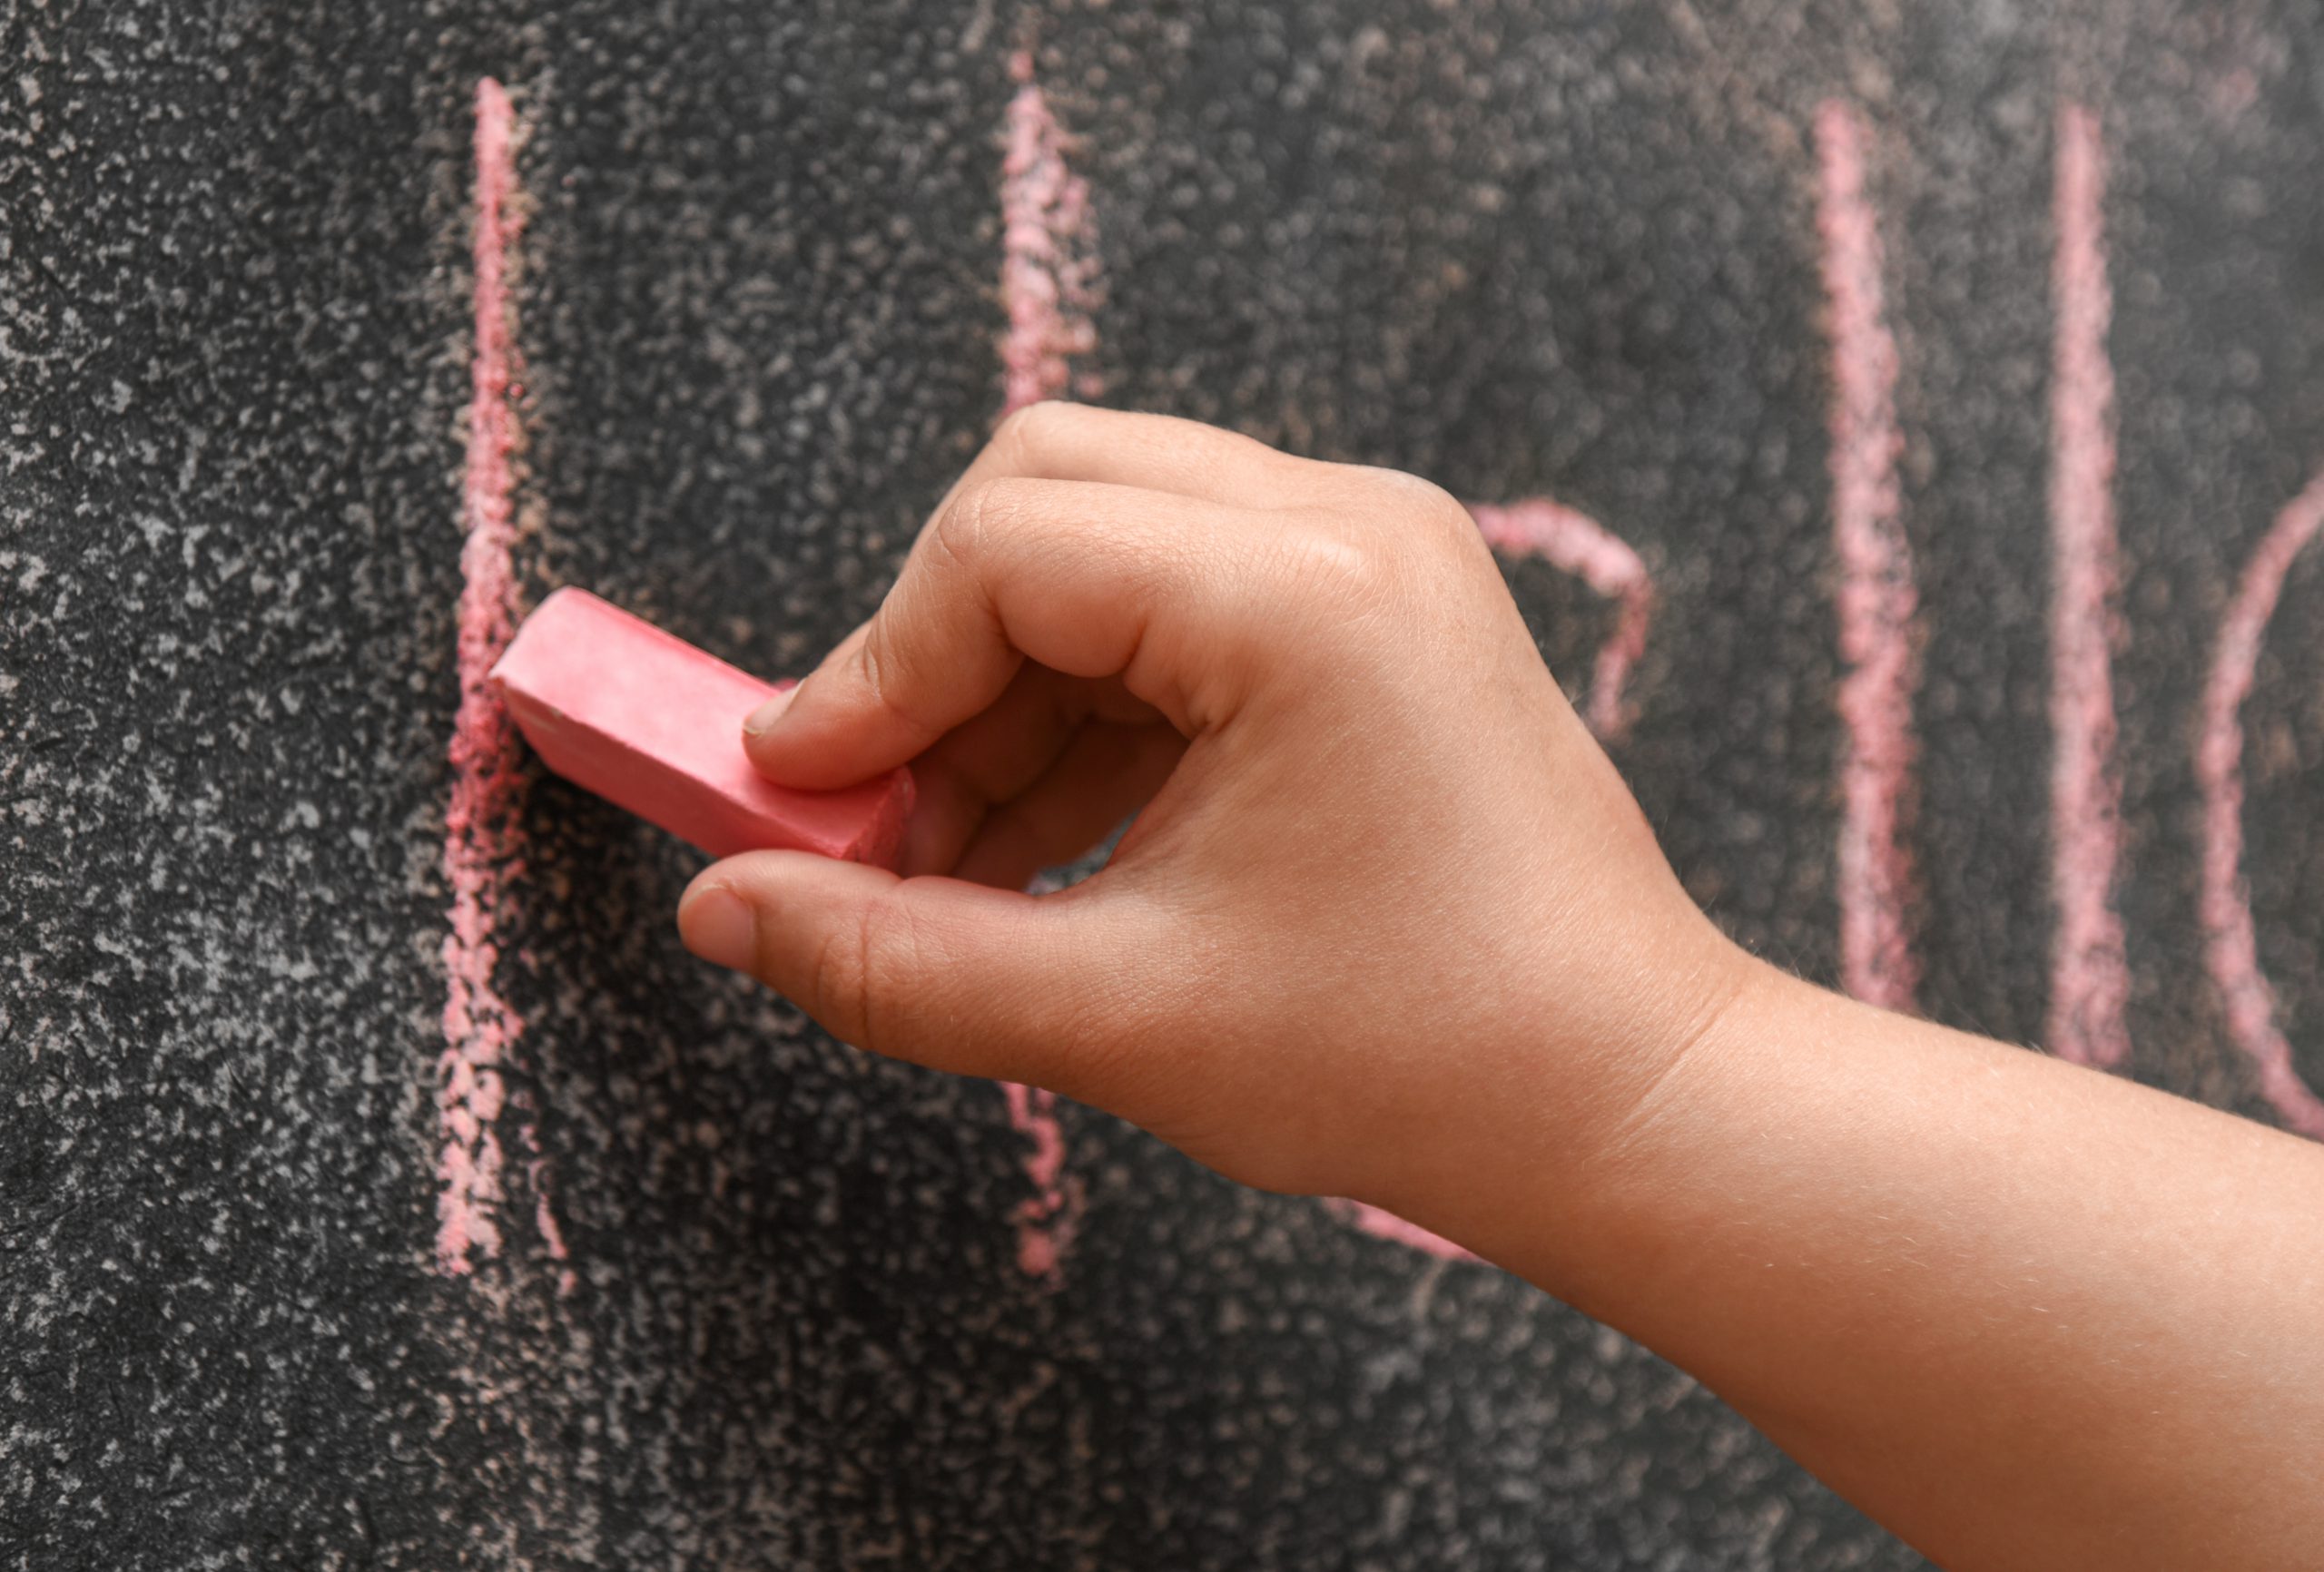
x: 1531, y: 247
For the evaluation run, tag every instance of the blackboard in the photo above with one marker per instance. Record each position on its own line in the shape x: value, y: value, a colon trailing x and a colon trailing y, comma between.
x: 1899, y: 423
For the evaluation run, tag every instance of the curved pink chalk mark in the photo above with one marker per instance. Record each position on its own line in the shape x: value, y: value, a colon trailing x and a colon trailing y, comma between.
x: 1877, y: 600
x: 2231, y: 943
x: 1048, y: 272
x: 2089, y: 976
x: 1575, y: 543
x: 481, y: 840
x: 1387, y: 1226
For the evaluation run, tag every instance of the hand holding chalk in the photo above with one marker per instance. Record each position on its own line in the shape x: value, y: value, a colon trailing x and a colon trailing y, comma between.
x: 1368, y: 821
x: 1387, y: 924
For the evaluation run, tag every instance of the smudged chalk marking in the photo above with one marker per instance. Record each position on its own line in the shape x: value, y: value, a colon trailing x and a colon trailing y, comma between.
x: 1048, y: 288
x: 1048, y: 271
x: 1877, y: 600
x: 2090, y: 979
x: 1576, y: 543
x: 482, y: 843
x: 2230, y: 944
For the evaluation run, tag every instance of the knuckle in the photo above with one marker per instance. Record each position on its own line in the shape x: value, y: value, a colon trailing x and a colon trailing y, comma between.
x: 1407, y: 496
x: 1402, y: 484
x: 862, y: 969
x: 1272, y: 464
x: 980, y: 514
x: 1346, y: 570
x: 954, y: 535
x: 880, y: 664
x: 835, y: 992
x: 1028, y: 432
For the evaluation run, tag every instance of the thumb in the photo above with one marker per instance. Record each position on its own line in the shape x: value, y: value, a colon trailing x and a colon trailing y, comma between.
x: 952, y: 975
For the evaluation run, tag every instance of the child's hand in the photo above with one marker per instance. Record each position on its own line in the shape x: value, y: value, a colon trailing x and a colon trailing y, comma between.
x: 1390, y: 926
x: 1385, y: 904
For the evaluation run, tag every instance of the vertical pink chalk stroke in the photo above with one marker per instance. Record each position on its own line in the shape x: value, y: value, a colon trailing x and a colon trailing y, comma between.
x: 1046, y: 1219
x: 2090, y: 979
x: 481, y: 839
x: 2230, y: 946
x: 1877, y: 600
x: 1048, y: 271
x: 1048, y: 288
x: 1579, y: 545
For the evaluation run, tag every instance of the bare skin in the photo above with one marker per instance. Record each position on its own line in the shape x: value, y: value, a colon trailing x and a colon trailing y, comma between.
x: 1388, y: 925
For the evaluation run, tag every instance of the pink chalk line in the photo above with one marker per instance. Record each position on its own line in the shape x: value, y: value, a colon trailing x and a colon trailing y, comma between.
x: 482, y: 841
x: 1049, y: 287
x: 1048, y: 271
x: 1045, y: 1219
x: 1878, y: 602
x: 2090, y: 977
x: 545, y: 1217
x: 1579, y: 545
x: 2230, y: 946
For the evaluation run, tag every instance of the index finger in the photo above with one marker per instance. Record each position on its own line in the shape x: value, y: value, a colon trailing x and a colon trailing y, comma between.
x: 1049, y: 441
x: 1088, y: 579
x: 1162, y: 453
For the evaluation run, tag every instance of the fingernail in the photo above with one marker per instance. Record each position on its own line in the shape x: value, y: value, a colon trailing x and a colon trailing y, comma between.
x: 720, y: 927
x: 760, y: 721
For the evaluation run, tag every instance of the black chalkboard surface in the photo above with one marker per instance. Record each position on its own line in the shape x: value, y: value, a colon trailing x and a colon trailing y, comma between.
x: 1899, y: 423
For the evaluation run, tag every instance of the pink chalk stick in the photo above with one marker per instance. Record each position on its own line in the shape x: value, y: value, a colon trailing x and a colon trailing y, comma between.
x: 647, y: 721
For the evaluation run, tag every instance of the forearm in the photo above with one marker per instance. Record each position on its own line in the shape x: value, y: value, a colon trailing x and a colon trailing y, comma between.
x: 2024, y: 1314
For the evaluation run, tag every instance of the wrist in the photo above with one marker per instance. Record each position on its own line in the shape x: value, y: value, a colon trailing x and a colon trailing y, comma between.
x: 1571, y: 1124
